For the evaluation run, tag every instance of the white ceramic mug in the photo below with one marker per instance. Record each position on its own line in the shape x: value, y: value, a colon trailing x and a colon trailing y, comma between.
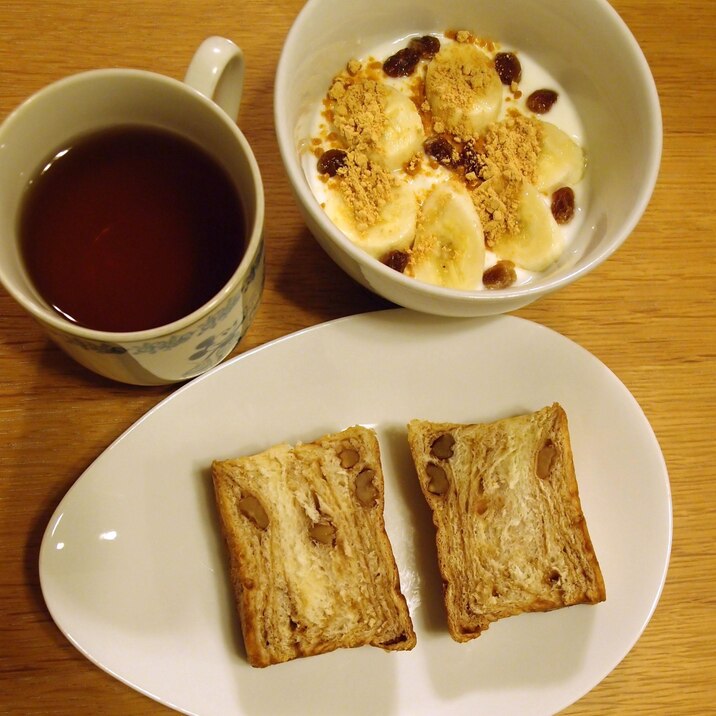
x: 203, y: 109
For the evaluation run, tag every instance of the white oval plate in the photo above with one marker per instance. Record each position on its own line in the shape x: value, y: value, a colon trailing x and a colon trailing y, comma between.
x: 133, y: 568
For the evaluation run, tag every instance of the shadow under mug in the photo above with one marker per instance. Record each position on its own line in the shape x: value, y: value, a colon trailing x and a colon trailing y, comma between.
x: 203, y: 108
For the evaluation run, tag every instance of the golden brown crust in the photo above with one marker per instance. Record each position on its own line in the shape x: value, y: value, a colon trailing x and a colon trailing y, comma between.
x: 510, y: 532
x: 311, y: 564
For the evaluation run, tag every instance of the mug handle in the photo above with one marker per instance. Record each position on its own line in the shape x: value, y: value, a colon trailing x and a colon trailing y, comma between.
x: 217, y: 71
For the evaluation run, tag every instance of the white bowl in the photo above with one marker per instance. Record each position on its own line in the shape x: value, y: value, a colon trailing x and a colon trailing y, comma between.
x: 588, y: 50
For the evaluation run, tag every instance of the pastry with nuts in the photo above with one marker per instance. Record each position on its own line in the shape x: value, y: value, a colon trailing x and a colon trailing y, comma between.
x: 510, y: 532
x: 311, y: 563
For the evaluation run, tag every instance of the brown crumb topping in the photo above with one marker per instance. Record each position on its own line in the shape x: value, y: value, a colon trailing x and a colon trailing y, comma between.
x: 365, y: 187
x: 514, y: 145
x: 458, y: 77
x: 359, y: 112
x: 497, y: 202
x: 505, y: 158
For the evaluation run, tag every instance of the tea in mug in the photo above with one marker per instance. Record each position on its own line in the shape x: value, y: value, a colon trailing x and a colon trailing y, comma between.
x: 130, y: 228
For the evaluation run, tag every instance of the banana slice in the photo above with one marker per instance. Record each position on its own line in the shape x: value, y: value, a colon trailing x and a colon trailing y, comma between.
x: 379, y: 120
x: 463, y: 89
x: 560, y: 161
x: 449, y: 248
x: 403, y: 133
x: 538, y: 241
x: 393, y: 231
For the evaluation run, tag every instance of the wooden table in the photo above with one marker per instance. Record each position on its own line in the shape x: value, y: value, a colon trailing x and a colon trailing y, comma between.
x: 649, y: 314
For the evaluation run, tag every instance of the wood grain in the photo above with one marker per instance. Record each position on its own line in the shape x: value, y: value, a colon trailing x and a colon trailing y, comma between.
x: 649, y: 314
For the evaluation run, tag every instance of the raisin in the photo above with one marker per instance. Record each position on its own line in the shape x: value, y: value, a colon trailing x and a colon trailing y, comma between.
x: 563, y: 205
x: 508, y: 67
x: 440, y: 150
x: 331, y: 161
x: 402, y: 63
x: 427, y: 46
x: 397, y: 260
x: 470, y: 159
x: 541, y: 101
x: 501, y: 275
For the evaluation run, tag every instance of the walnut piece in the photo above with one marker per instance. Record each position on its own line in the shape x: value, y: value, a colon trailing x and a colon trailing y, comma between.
x: 366, y: 491
x: 443, y: 446
x: 252, y: 509
x: 438, y: 482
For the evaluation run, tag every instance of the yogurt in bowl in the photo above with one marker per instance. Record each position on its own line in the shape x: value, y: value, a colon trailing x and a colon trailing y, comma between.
x: 436, y: 161
x: 606, y: 107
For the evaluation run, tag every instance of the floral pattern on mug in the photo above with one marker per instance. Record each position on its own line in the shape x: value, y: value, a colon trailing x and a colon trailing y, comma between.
x: 250, y: 291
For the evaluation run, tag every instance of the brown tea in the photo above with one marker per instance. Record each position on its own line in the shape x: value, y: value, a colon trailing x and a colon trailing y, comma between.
x: 131, y: 228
